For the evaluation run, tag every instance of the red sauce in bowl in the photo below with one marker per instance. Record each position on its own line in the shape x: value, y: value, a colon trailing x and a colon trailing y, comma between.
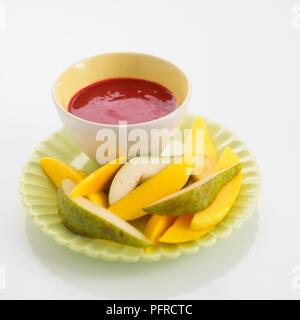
x: 122, y: 99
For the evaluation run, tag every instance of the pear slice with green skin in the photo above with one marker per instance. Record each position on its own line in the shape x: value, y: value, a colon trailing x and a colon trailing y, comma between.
x: 87, y: 219
x: 196, y: 197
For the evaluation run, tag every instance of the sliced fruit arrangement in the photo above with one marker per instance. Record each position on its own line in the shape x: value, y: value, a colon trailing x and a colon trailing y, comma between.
x: 181, y: 206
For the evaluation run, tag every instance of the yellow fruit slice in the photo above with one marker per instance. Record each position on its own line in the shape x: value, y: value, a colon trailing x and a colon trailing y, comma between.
x: 210, y: 152
x: 99, y: 198
x: 225, y: 199
x: 156, y: 227
x: 99, y: 179
x: 227, y: 159
x: 180, y: 231
x: 169, y: 180
x: 57, y: 171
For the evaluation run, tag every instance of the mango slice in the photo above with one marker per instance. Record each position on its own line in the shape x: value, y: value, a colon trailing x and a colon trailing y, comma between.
x: 227, y: 159
x: 180, y: 231
x: 157, y: 225
x: 225, y: 199
x: 210, y: 152
x: 57, y: 171
x: 99, y: 179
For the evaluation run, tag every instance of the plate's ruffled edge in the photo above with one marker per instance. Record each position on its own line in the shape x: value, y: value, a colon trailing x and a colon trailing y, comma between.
x: 244, y: 207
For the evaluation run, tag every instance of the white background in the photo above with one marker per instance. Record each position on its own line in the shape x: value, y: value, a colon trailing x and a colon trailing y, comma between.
x: 243, y: 58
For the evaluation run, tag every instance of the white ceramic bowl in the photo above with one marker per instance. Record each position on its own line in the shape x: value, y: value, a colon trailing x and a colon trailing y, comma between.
x: 114, y: 65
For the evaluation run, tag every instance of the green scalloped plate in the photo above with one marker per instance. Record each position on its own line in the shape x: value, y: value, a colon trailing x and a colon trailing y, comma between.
x: 39, y: 199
